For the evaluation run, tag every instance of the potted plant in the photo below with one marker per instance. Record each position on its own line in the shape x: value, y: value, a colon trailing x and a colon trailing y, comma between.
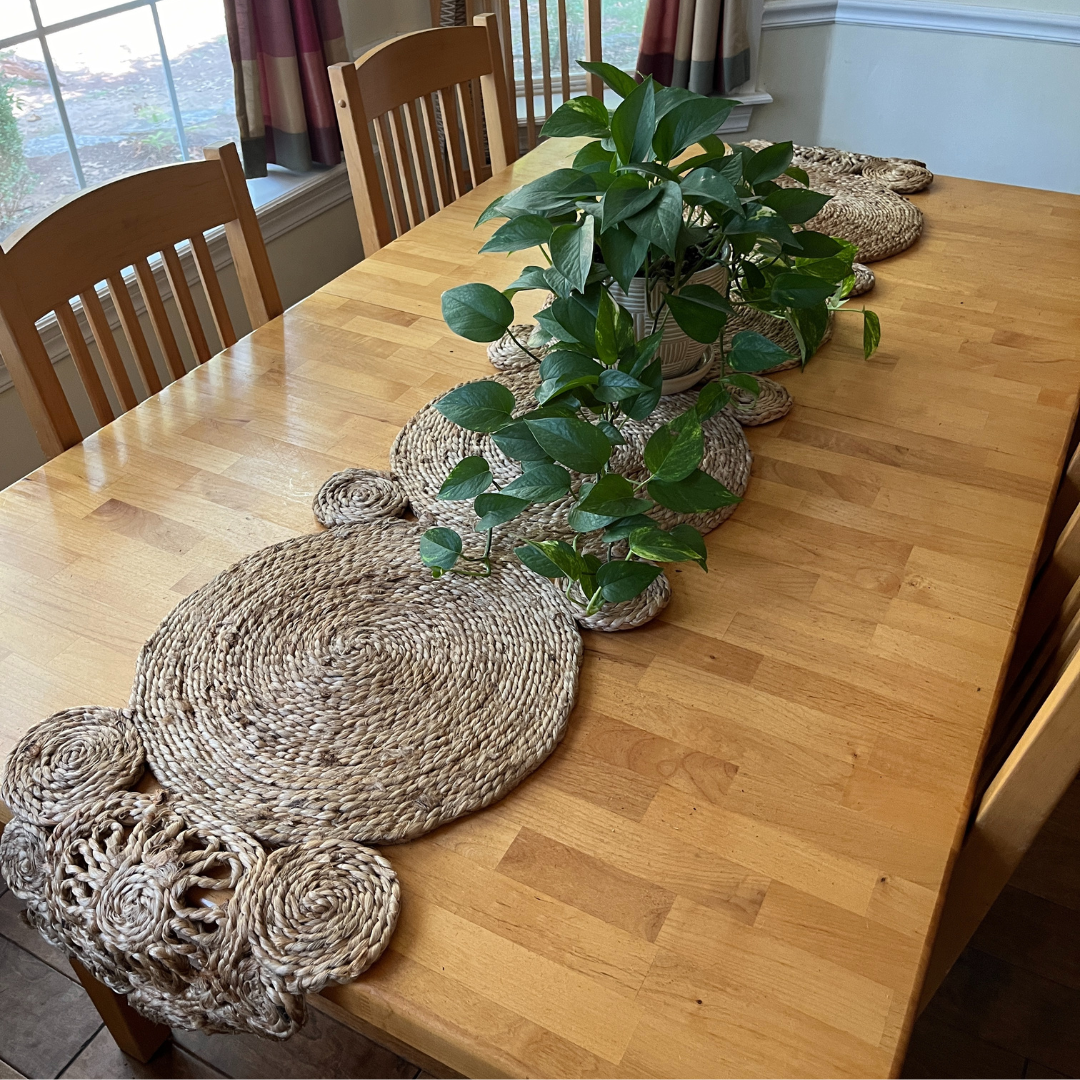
x: 646, y: 249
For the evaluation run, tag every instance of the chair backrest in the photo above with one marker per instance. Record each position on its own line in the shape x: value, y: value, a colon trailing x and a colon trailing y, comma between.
x: 1033, y: 752
x: 420, y: 92
x: 530, y: 22
x: 94, y: 237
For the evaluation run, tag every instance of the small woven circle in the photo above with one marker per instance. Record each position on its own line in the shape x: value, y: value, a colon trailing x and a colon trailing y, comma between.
x: 630, y: 613
x: 429, y: 446
x: 321, y: 912
x: 328, y: 683
x: 864, y: 279
x: 359, y: 495
x: 72, y: 756
x: 829, y: 159
x: 22, y: 858
x: 899, y: 175
x: 507, y: 355
x: 775, y: 329
x: 770, y: 403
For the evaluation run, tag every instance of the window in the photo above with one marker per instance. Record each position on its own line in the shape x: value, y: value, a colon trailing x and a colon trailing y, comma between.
x: 90, y: 91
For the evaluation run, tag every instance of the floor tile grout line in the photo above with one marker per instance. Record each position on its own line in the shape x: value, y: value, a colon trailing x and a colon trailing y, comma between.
x: 23, y: 948
x: 97, y: 1031
x: 199, y: 1058
x: 4, y: 1061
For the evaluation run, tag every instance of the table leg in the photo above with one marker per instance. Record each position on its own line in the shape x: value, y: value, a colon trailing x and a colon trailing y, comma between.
x: 133, y: 1033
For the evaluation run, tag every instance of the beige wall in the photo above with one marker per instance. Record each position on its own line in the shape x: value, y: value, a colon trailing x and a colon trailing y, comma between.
x: 303, y: 259
x: 367, y: 22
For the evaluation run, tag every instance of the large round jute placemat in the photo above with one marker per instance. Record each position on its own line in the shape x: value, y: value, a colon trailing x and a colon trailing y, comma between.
x: 329, y: 684
x: 429, y: 446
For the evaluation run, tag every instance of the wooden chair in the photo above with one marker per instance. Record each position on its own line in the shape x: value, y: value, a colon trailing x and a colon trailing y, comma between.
x: 93, y: 237
x: 1033, y: 753
x: 433, y: 154
x: 520, y: 18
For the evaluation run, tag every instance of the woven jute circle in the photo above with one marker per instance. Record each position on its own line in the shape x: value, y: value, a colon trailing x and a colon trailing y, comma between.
x: 770, y: 403
x: 507, y: 354
x: 778, y: 330
x: 864, y: 279
x: 359, y: 495
x: 329, y: 684
x: 429, y: 446
x: 631, y: 613
x: 901, y: 175
x: 74, y: 755
x: 22, y: 858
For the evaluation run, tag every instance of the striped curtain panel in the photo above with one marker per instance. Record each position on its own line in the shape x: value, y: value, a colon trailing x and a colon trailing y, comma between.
x: 280, y: 51
x: 703, y: 45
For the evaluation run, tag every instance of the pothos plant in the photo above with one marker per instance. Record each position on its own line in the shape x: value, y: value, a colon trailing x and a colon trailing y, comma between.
x: 633, y: 205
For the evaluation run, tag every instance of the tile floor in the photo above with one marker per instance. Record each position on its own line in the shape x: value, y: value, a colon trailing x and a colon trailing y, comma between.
x: 1009, y: 1008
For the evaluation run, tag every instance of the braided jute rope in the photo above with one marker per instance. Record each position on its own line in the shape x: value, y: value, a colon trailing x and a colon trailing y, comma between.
x: 506, y: 354
x: 906, y: 176
x: 864, y: 279
x: 328, y: 683
x: 631, y: 613
x: 772, y: 402
x: 22, y: 858
x: 358, y: 495
x: 429, y: 446
x: 76, y: 755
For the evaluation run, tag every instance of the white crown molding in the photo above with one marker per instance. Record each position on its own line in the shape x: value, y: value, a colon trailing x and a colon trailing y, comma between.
x: 938, y: 15
x: 305, y: 201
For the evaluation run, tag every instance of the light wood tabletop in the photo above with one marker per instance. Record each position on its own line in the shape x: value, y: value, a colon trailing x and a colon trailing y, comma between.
x: 731, y: 865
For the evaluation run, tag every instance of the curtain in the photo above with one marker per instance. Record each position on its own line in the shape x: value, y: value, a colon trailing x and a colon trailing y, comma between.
x: 280, y: 52
x: 700, y: 44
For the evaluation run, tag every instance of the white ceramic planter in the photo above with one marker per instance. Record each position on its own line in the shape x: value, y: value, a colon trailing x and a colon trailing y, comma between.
x: 679, y: 353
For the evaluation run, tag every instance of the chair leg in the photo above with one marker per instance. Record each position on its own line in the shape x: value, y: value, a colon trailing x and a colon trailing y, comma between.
x: 133, y: 1033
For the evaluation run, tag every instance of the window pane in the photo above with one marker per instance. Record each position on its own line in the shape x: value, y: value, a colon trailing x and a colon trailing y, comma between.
x: 114, y: 90
x: 17, y: 18
x: 35, y: 168
x: 621, y: 24
x: 54, y: 11
x: 195, y: 39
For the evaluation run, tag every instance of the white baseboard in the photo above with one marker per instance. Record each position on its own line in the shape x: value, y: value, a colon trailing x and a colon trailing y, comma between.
x: 938, y: 15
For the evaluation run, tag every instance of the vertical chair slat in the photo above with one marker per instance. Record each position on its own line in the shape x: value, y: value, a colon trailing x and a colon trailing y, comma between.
x: 594, y: 85
x: 453, y: 140
x: 159, y: 319
x: 416, y: 144
x: 564, y: 53
x: 438, y: 166
x: 136, y: 340
x: 475, y: 97
x: 408, y: 170
x: 526, y: 74
x: 114, y: 363
x: 545, y: 49
x: 84, y: 364
x: 506, y: 39
x: 189, y: 314
x: 212, y: 288
x: 472, y: 142
x: 391, y: 172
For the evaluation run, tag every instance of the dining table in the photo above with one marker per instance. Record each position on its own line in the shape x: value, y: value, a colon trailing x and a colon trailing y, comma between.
x: 733, y: 862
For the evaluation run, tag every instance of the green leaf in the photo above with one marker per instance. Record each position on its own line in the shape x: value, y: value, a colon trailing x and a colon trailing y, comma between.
x: 529, y: 230
x: 871, y: 336
x: 800, y: 290
x: 743, y: 382
x: 612, y: 496
x: 617, y: 385
x: 689, y: 536
x: 612, y: 432
x: 661, y: 220
x: 477, y: 312
x: 767, y: 164
x: 624, y: 253
x: 653, y: 543
x: 581, y: 521
x: 574, y: 315
x: 712, y: 397
x: 797, y: 174
x: 701, y: 312
x: 796, y: 205
x: 622, y: 528
x: 621, y: 579
x: 540, y: 484
x: 537, y: 561
x: 751, y: 351
x: 578, y: 116
x: 592, y: 157
x: 554, y: 193
x: 628, y: 194
x: 607, y: 347
x: 639, y: 407
x: 688, y: 122
x: 491, y: 211
x: 707, y: 185
x: 575, y: 443
x: 810, y: 325
x: 633, y: 122
x: 478, y: 406
x: 623, y: 85
x: 440, y: 548
x: 516, y: 441
x: 566, y: 371
x: 532, y: 277
x: 816, y: 245
x: 572, y: 249
x: 675, y: 450
x: 650, y: 168
x: 694, y: 494
x: 494, y: 508
x: 467, y: 479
